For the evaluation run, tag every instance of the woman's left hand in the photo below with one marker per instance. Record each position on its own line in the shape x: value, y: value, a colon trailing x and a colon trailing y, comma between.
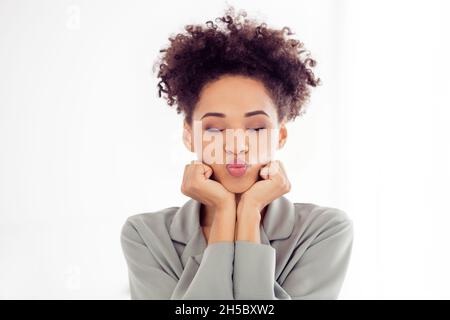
x: 275, y: 183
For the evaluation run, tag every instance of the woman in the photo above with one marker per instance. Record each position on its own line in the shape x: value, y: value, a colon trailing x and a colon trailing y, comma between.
x: 238, y: 236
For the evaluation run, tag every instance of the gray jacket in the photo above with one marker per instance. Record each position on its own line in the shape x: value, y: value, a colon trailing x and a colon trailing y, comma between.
x: 304, y: 253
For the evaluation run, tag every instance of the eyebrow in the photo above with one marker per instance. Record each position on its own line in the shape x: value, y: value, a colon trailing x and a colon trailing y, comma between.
x: 222, y: 115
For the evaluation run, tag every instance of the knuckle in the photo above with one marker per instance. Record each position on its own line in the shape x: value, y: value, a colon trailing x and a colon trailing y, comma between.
x: 285, y: 185
x: 193, y: 186
x: 186, y: 188
x: 288, y: 186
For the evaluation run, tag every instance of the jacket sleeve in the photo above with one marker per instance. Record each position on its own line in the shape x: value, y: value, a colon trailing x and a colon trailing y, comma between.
x: 148, y: 280
x: 318, y: 274
x: 214, y: 277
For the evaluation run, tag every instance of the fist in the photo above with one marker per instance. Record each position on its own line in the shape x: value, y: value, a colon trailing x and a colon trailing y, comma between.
x: 198, y: 185
x: 274, y: 184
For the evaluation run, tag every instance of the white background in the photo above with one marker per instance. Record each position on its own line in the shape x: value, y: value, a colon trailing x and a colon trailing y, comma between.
x: 85, y: 141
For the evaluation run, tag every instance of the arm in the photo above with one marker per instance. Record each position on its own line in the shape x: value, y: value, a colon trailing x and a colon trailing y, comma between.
x: 254, y: 263
x: 224, y: 223
x: 321, y: 270
x: 213, y: 279
x: 318, y: 274
x: 148, y: 280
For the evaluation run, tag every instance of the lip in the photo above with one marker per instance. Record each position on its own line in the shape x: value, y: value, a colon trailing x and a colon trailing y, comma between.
x: 237, y: 169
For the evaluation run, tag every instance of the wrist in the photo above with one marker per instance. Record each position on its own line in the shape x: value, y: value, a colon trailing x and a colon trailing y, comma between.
x: 248, y: 213
x: 223, y: 228
x: 249, y: 203
x: 247, y: 227
x: 225, y: 209
x: 225, y: 204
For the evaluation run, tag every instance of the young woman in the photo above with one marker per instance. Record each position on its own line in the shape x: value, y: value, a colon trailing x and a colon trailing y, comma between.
x: 238, y: 236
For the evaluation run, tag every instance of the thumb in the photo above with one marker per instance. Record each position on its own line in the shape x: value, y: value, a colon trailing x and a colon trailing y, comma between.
x: 202, y: 169
x: 264, y: 172
x: 207, y: 171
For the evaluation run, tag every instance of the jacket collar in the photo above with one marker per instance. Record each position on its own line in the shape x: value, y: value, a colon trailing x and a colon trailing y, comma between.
x: 278, y: 221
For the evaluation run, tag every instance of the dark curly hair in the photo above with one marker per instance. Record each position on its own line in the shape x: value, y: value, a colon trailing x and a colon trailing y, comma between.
x: 241, y: 47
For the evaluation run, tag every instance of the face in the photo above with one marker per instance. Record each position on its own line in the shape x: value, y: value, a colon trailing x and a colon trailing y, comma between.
x: 235, y: 130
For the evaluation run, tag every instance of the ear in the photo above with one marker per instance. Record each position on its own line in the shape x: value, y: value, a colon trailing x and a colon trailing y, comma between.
x: 282, y: 136
x: 187, y: 136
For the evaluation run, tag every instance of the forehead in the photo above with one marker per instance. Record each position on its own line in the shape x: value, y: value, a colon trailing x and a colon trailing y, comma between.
x: 234, y: 95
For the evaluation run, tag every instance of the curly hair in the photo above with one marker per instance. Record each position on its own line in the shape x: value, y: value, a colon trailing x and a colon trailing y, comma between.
x: 235, y: 46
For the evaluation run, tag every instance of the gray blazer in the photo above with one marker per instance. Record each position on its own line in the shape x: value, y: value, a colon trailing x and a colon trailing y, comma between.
x: 304, y: 253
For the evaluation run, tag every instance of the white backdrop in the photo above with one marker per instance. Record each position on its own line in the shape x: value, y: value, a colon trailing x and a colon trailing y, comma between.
x: 85, y: 142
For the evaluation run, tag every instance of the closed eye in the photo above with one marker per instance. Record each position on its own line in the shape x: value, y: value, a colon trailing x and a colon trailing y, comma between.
x: 256, y: 129
x: 214, y: 130
x: 220, y: 130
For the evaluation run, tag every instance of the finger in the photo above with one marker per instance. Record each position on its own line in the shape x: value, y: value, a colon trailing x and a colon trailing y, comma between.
x: 264, y: 172
x: 282, y: 168
x: 197, y: 169
x: 281, y: 175
x: 201, y: 170
x: 283, y: 172
x: 194, y: 162
x: 276, y: 170
x: 186, y: 179
x: 186, y: 173
x: 207, y: 171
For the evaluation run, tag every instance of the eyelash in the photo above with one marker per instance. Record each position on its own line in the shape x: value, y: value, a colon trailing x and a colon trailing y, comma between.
x: 256, y: 129
x: 213, y: 129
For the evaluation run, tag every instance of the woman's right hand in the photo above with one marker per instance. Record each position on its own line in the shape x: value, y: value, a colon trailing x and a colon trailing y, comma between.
x: 198, y: 185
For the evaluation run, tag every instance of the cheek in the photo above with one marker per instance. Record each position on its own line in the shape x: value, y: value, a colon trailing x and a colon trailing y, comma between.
x: 211, y: 151
x: 219, y: 171
x: 254, y: 171
x: 262, y: 148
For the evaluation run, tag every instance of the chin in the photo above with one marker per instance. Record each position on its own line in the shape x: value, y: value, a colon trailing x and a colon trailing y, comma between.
x: 236, y: 184
x: 238, y: 187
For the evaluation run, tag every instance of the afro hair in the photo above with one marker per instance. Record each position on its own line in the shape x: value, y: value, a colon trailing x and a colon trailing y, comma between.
x: 236, y: 46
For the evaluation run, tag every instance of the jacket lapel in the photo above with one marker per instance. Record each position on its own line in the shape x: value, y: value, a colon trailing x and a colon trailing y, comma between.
x: 185, y: 228
x: 279, y: 219
x: 278, y: 224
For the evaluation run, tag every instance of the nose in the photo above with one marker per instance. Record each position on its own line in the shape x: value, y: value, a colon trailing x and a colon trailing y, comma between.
x: 236, y: 146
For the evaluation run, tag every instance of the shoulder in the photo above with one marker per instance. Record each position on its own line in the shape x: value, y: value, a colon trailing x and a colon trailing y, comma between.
x: 313, y: 219
x: 155, y: 221
x: 312, y: 211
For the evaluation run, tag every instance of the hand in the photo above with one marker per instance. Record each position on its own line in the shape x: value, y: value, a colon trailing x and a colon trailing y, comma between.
x: 274, y: 184
x: 197, y: 185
